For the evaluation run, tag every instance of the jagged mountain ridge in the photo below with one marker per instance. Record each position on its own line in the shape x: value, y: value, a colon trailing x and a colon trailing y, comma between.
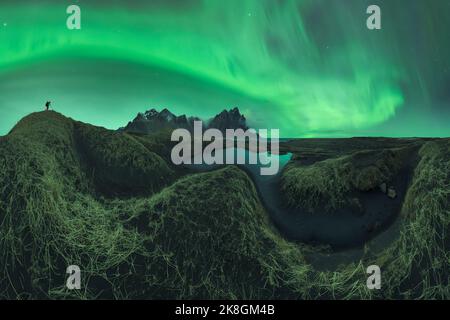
x: 153, y: 120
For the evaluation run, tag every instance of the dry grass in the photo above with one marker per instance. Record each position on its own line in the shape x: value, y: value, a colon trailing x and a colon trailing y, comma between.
x: 203, y: 236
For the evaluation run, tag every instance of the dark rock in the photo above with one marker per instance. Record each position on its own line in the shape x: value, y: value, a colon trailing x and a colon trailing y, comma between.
x: 391, y: 193
x: 231, y: 119
x: 153, y: 121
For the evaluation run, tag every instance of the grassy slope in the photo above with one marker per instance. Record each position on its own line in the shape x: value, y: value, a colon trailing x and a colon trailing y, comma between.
x: 331, y: 181
x: 119, y: 163
x: 415, y: 265
x: 204, y: 236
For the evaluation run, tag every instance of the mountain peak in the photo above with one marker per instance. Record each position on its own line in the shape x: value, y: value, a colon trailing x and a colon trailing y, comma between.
x: 229, y: 119
x: 153, y: 120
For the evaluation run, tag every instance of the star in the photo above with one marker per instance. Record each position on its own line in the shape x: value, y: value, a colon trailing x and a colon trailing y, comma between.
x: 5, y: 24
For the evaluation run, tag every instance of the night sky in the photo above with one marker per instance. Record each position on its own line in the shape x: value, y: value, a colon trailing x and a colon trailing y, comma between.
x: 308, y: 67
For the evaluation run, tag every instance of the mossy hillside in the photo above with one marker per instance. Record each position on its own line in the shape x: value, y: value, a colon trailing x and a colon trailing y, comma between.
x: 335, y: 181
x: 209, y: 237
x: 415, y: 265
x: 47, y: 207
x: 187, y: 247
x: 418, y: 261
x: 158, y: 142
x: 119, y: 163
x: 204, y: 236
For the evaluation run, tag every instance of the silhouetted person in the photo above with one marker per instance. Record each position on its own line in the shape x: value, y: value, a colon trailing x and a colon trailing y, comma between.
x: 47, y: 105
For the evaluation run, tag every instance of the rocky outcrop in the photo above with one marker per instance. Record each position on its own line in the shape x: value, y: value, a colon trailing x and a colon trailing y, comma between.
x: 231, y: 119
x: 153, y: 121
x: 391, y: 193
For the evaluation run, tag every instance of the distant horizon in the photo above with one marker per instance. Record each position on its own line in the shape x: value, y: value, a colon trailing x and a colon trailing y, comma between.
x: 4, y: 133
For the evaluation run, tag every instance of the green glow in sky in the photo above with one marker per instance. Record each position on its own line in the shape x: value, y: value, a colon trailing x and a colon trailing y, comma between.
x: 310, y: 68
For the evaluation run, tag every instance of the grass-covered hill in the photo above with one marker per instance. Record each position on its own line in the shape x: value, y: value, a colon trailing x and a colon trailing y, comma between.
x: 111, y: 203
x: 74, y: 194
x: 335, y: 182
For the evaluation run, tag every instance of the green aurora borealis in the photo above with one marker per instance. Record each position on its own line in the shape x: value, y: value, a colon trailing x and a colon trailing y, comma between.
x: 308, y: 67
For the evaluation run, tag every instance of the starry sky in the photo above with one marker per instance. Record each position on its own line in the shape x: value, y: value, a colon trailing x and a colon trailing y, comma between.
x: 310, y: 68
